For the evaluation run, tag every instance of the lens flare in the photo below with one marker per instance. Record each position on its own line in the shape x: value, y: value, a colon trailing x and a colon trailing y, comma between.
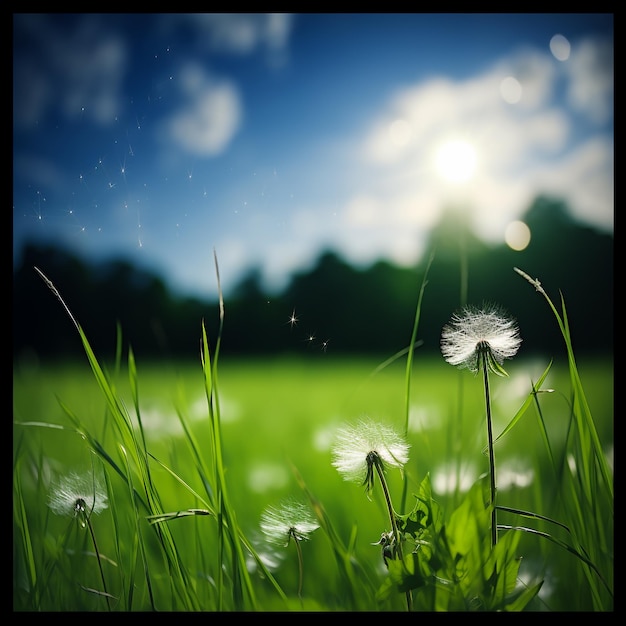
x: 456, y: 161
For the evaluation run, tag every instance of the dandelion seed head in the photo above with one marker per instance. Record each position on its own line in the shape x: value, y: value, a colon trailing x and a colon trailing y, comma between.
x: 354, y: 445
x: 77, y: 493
x: 290, y: 519
x: 476, y: 333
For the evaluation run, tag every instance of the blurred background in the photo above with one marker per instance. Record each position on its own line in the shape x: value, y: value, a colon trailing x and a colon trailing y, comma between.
x: 323, y: 158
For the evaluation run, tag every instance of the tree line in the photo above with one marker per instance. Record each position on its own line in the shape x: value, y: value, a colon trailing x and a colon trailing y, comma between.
x: 333, y: 306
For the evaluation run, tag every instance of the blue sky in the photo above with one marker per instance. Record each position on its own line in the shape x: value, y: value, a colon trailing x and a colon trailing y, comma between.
x: 267, y: 138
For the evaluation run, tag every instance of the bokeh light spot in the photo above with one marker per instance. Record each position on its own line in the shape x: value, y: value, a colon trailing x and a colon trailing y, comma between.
x: 560, y: 47
x: 511, y: 90
x: 267, y: 476
x: 517, y: 235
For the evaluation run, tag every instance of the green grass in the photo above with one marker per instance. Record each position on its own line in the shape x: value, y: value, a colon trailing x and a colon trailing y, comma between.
x: 282, y: 411
x: 221, y: 443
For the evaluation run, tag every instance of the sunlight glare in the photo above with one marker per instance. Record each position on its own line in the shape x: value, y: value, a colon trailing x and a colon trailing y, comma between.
x: 456, y: 160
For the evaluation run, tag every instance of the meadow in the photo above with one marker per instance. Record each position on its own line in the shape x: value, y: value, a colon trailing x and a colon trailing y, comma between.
x: 170, y: 468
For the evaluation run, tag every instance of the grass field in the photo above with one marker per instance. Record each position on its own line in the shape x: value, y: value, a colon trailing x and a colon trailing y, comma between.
x: 278, y: 417
x: 174, y: 487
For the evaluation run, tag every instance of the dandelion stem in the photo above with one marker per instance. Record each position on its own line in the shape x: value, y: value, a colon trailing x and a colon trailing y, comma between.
x: 492, y: 459
x: 397, y: 547
x: 300, y: 568
x: 480, y: 340
x: 392, y: 515
x: 95, y: 547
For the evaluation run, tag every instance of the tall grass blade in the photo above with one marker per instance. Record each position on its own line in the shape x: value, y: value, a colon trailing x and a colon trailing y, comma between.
x: 228, y: 529
x: 591, y: 482
x: 520, y: 412
x: 409, y: 366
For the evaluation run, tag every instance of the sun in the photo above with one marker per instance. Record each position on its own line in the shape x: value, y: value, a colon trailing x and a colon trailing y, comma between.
x: 456, y: 160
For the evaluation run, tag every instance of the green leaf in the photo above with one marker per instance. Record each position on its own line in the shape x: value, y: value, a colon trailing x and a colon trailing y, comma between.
x: 521, y: 600
x: 524, y: 407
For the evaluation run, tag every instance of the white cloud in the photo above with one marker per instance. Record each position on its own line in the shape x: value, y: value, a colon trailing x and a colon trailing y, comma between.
x: 209, y: 117
x: 240, y: 33
x: 39, y: 172
x: 93, y: 69
x: 421, y: 110
x: 32, y: 95
x: 591, y: 80
x: 232, y: 253
x: 584, y: 178
x: 367, y: 229
x: 473, y: 108
x: 399, y: 197
x: 536, y: 73
x: 79, y: 71
x: 522, y: 149
x: 524, y: 146
x: 502, y: 200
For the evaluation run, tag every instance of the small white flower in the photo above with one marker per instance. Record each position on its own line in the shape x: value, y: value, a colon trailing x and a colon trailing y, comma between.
x: 75, y: 495
x: 288, y: 520
x: 359, y: 448
x: 477, y: 335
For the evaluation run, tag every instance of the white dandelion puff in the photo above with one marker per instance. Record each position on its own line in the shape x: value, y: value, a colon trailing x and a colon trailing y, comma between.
x: 476, y: 334
x: 80, y: 495
x: 480, y: 340
x: 288, y: 520
x: 76, y: 494
x: 364, y: 451
x: 358, y: 447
